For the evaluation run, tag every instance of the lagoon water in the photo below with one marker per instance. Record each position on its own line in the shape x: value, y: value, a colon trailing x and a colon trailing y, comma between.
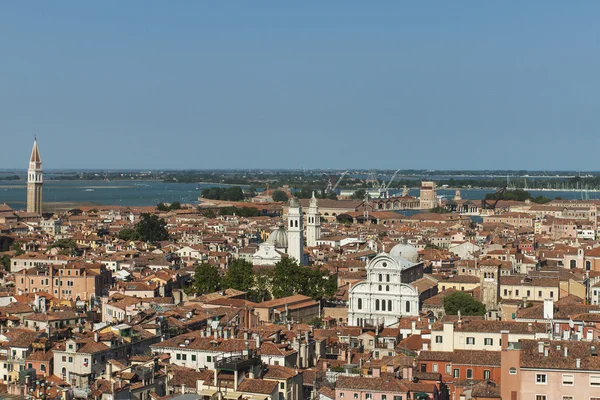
x: 146, y: 193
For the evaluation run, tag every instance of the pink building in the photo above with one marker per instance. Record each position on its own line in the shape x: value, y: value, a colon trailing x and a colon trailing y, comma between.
x: 73, y: 281
x: 549, y: 370
x: 385, y: 388
x: 364, y: 388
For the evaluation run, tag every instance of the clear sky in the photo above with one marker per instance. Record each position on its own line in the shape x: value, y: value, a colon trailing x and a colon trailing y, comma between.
x: 306, y: 84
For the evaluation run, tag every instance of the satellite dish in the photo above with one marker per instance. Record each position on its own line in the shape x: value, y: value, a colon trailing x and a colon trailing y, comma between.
x: 571, y: 324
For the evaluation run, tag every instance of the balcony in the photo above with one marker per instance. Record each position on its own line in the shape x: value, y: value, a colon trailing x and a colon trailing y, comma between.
x: 237, y: 361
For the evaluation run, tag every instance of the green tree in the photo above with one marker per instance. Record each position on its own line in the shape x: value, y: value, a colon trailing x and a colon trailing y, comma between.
x: 317, y: 283
x: 162, y: 207
x: 304, y: 193
x: 67, y: 247
x: 331, y: 196
x: 541, y: 200
x: 128, y: 234
x: 287, y: 278
x: 280, y: 195
x: 5, y: 262
x: 206, y: 278
x: 263, y: 282
x: 175, y: 205
x: 234, y: 193
x: 439, y: 210
x: 16, y: 247
x: 239, y: 275
x: 516, y: 195
x: 463, y: 302
x: 151, y: 229
x: 359, y: 194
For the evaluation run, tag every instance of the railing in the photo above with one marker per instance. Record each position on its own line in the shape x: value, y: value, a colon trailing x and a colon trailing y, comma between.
x: 236, y: 361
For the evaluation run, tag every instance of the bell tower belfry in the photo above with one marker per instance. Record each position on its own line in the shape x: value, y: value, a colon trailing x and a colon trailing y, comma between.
x: 313, y: 222
x: 35, y: 180
x: 295, y: 231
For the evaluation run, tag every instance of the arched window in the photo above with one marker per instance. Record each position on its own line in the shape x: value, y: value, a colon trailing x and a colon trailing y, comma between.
x: 382, y: 305
x: 387, y: 288
x: 389, y: 305
x: 380, y: 277
x: 408, y: 306
x: 387, y: 277
x: 377, y: 305
x: 360, y: 304
x: 296, y: 223
x: 291, y: 223
x: 588, y: 265
x: 573, y: 263
x: 380, y: 288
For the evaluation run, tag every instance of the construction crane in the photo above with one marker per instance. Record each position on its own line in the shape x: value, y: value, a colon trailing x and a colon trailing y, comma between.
x: 331, y: 187
x: 492, y: 203
x: 386, y: 187
x: 372, y: 179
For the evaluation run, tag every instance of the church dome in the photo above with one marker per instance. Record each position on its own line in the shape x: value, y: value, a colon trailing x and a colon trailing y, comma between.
x: 405, y: 251
x: 278, y: 238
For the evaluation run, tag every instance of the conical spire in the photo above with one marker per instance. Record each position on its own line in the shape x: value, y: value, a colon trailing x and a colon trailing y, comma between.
x: 35, y: 153
x: 313, y: 200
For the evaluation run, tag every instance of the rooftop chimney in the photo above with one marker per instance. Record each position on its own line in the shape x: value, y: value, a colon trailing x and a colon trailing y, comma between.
x: 578, y: 363
x: 541, y: 347
x: 530, y: 327
x: 96, y: 337
x: 504, y: 338
x: 566, y: 351
x: 548, y: 309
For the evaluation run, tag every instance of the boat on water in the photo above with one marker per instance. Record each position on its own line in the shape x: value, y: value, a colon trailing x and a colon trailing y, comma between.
x: 88, y: 190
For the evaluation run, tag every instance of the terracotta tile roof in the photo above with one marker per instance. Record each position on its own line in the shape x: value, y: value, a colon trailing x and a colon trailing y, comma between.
x: 279, y: 372
x: 532, y: 358
x: 388, y: 385
x: 257, y: 386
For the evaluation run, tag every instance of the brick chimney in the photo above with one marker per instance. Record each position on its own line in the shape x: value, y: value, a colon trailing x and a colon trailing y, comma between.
x: 504, y: 338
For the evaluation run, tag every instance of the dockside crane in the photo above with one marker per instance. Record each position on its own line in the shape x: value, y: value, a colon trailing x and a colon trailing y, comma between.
x: 386, y: 187
x: 331, y: 187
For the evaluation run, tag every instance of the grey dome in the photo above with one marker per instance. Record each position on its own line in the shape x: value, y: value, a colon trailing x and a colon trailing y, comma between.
x: 278, y: 238
x: 405, y: 251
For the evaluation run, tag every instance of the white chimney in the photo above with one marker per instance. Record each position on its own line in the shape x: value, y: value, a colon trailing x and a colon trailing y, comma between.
x: 541, y: 347
x: 578, y: 363
x: 566, y: 351
x: 548, y: 309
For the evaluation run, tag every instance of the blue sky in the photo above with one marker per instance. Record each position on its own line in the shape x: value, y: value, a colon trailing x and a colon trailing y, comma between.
x: 311, y: 84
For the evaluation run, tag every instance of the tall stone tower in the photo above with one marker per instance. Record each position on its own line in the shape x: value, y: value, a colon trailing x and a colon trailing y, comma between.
x: 295, y: 231
x: 428, y: 198
x: 489, y: 285
x: 35, y: 180
x: 313, y: 222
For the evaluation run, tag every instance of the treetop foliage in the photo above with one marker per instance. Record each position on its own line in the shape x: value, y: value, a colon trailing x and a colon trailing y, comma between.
x: 464, y: 302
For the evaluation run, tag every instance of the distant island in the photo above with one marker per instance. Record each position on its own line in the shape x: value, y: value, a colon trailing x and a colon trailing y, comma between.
x: 351, y: 179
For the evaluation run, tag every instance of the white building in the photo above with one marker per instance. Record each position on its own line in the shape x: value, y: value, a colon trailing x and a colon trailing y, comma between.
x: 282, y: 241
x: 313, y: 222
x: 295, y: 231
x: 386, y: 295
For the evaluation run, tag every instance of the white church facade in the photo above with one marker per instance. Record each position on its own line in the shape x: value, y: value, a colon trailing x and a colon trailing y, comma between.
x: 386, y: 295
x: 288, y: 238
